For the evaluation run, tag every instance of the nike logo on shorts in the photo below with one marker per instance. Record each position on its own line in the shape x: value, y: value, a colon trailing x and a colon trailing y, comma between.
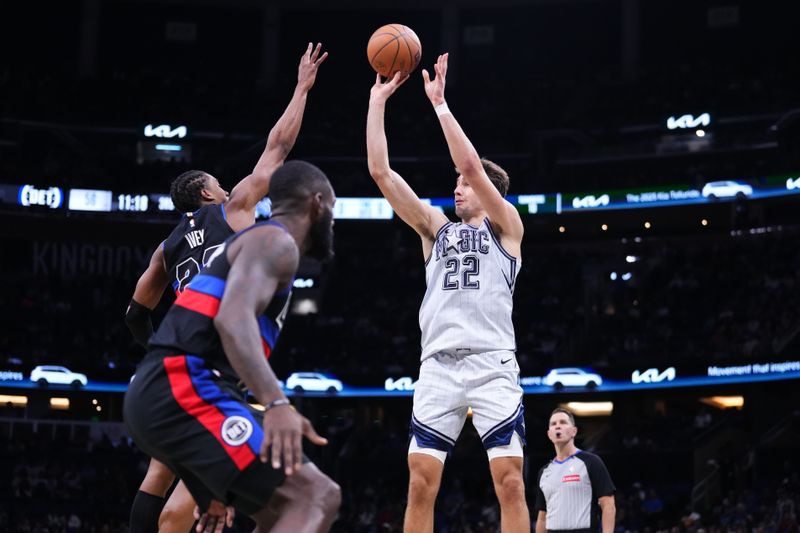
x: 504, y: 361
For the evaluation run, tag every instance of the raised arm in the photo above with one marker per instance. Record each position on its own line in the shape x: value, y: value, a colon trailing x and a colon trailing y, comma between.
x: 262, y: 260
x: 248, y: 192
x: 504, y: 216
x: 149, y: 290
x: 422, y: 217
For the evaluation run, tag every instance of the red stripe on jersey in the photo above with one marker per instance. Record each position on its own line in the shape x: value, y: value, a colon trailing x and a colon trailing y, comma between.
x: 267, y: 349
x: 207, y: 414
x: 198, y: 302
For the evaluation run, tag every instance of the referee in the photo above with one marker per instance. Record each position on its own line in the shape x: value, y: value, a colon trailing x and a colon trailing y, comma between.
x: 575, y: 487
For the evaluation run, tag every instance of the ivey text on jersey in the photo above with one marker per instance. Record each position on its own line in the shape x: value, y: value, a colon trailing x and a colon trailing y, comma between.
x: 195, y: 238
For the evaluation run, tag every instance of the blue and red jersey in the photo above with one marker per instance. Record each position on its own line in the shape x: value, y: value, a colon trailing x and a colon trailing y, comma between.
x: 194, y: 240
x: 188, y: 327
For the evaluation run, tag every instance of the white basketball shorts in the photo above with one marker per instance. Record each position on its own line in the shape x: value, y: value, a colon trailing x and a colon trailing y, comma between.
x: 449, y: 384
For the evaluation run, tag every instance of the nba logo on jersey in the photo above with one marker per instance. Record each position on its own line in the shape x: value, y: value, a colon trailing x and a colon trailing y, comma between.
x: 236, y: 430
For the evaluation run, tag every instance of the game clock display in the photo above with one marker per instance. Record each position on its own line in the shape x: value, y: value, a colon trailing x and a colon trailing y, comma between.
x: 132, y: 202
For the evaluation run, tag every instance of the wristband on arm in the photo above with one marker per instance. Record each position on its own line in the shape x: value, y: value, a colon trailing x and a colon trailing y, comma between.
x: 137, y: 318
x: 276, y: 403
x: 442, y: 109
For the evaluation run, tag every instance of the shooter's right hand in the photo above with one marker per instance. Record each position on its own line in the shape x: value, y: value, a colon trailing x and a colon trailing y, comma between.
x: 381, y: 91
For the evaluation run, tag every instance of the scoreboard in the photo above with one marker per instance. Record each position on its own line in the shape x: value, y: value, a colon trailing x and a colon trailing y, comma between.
x: 49, y: 197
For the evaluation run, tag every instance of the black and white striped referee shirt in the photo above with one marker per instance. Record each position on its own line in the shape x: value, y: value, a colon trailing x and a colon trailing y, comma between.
x: 568, y: 491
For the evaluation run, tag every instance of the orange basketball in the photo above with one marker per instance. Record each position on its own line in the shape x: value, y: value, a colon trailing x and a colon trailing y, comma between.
x: 393, y: 48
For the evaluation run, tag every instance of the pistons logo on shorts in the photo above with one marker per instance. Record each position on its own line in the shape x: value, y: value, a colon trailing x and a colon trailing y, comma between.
x: 236, y: 430
x: 571, y: 478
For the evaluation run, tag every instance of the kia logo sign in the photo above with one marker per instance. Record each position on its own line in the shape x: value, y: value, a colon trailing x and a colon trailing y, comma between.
x: 685, y: 122
x: 164, y: 131
x: 399, y: 384
x: 29, y: 195
x: 583, y: 202
x: 652, y: 375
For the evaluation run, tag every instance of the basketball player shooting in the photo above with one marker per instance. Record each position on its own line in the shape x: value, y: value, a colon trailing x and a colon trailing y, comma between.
x: 468, y: 339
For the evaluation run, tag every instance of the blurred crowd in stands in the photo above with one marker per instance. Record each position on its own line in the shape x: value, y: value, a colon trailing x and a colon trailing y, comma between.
x: 80, y: 478
x: 610, y: 305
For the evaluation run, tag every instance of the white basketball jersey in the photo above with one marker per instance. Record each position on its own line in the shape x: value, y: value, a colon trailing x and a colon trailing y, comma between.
x: 468, y: 302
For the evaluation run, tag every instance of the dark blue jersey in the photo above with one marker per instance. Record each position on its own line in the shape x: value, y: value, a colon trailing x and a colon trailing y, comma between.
x: 188, y: 327
x: 193, y: 241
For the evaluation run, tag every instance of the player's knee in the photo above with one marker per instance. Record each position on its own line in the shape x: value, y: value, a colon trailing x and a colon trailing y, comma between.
x: 323, y: 492
x: 169, y: 515
x: 177, y: 513
x: 158, y: 479
x: 421, y: 489
x: 510, y: 487
x: 329, y: 496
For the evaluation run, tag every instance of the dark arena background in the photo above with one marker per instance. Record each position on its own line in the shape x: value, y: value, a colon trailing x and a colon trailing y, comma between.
x: 654, y: 154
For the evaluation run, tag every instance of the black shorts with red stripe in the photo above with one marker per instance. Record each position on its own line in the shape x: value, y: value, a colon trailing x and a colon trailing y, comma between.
x: 180, y: 412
